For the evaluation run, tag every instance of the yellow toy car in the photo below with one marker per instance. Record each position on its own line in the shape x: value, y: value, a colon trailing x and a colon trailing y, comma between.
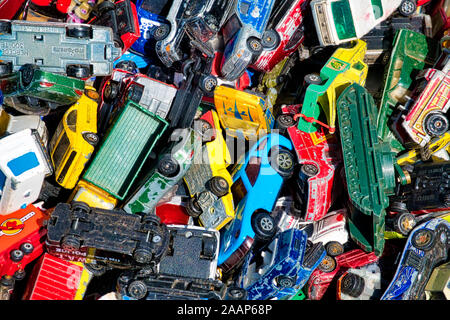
x: 74, y: 140
x: 208, y: 179
x: 92, y: 196
x: 438, y: 150
x: 345, y: 67
x: 243, y: 114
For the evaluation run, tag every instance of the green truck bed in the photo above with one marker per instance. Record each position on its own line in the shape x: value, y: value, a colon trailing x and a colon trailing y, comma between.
x: 124, y: 150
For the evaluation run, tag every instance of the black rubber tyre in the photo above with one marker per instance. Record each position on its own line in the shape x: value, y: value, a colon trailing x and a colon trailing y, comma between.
x: 285, y: 121
x: 26, y: 247
x: 80, y: 32
x: 97, y: 270
x: 254, y: 45
x: 407, y: 8
x: 19, y: 275
x: 447, y: 200
x: 283, y: 162
x: 404, y: 223
x: 236, y: 293
x: 105, y: 6
x: 150, y: 218
x: 328, y: 264
x: 78, y: 71
x: 334, y: 248
x: 208, y: 84
x: 436, y: 124
x: 285, y: 281
x: 6, y: 68
x: 161, y: 32
x: 111, y: 91
x: 71, y: 242
x: 309, y: 169
x: 270, y: 39
x: 16, y: 255
x: 352, y: 285
x: 90, y: 138
x: 219, y: 186
x: 209, y: 247
x: 137, y: 289
x: 27, y: 74
x: 168, y: 166
x: 193, y: 209
x: 423, y: 239
x: 5, y: 27
x: 263, y: 225
x: 313, y: 78
x: 142, y: 255
x: 126, y: 65
x: 398, y: 206
x: 82, y: 206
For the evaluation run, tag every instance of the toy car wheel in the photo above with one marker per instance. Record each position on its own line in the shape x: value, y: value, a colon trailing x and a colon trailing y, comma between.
x: 334, y: 248
x: 5, y: 27
x: 105, y: 6
x: 78, y: 71
x: 97, y: 270
x: 208, y: 84
x: 407, y: 8
x: 19, y: 275
x: 168, y: 166
x: 423, y: 239
x: 263, y: 225
x: 6, y: 68
x: 352, y: 285
x: 151, y: 219
x: 309, y: 169
x: 193, y: 209
x: 27, y: 73
x: 142, y: 255
x: 79, y: 32
x: 111, y: 91
x: 447, y: 200
x: 16, y: 255
x: 283, y: 162
x: 80, y: 206
x: 205, y: 129
x: 236, y: 293
x: 161, y: 32
x: 398, y: 206
x: 313, y: 78
x: 70, y: 242
x: 126, y: 65
x: 209, y: 247
x: 26, y: 248
x: 285, y: 121
x: 270, y: 39
x: 90, y: 138
x: 219, y: 186
x: 254, y: 45
x: 328, y: 264
x: 137, y: 289
x: 285, y: 281
x: 404, y: 223
x: 436, y: 124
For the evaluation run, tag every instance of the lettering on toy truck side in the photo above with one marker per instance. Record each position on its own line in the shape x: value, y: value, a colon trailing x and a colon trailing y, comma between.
x: 36, y: 29
x: 13, y: 49
x: 67, y: 50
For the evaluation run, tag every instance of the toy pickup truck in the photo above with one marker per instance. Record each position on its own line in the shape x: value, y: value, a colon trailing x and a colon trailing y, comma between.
x: 78, y: 50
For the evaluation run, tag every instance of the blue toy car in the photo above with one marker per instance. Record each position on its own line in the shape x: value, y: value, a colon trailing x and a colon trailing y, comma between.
x: 256, y: 185
x: 427, y: 246
x: 243, y: 36
x: 152, y: 23
x: 282, y: 267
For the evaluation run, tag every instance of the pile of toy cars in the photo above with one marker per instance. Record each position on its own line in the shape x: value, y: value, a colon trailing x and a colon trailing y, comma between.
x: 225, y: 149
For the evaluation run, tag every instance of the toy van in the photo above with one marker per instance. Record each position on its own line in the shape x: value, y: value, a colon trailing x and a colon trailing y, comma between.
x: 23, y: 166
x: 92, y: 195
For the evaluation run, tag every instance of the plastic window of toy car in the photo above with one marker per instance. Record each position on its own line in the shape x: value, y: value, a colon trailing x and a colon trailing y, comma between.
x: 232, y: 26
x: 377, y: 8
x: 159, y: 7
x: 343, y: 20
x: 238, y: 190
x: 71, y: 120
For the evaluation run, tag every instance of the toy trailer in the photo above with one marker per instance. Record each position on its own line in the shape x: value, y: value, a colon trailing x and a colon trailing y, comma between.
x: 24, y: 164
x: 124, y: 150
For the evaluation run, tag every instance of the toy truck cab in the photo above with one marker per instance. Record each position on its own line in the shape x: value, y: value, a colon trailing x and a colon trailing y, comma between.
x: 23, y: 166
x: 339, y: 21
x: 74, y: 139
x: 243, y: 114
x: 427, y: 117
x: 346, y: 66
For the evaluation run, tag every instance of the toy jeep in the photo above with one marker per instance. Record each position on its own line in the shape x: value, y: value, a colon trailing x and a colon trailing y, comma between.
x: 80, y: 51
x: 124, y: 149
x: 78, y: 232
x: 243, y: 36
x: 24, y: 164
x: 74, y: 140
x: 172, y: 165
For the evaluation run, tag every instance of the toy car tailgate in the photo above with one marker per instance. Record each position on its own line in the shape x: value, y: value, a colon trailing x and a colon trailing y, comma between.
x: 125, y: 149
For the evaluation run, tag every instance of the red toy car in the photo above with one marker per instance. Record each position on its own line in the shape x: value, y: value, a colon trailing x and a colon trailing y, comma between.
x: 10, y: 9
x: 319, y: 157
x: 320, y: 280
x: 284, y: 31
x: 22, y: 236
